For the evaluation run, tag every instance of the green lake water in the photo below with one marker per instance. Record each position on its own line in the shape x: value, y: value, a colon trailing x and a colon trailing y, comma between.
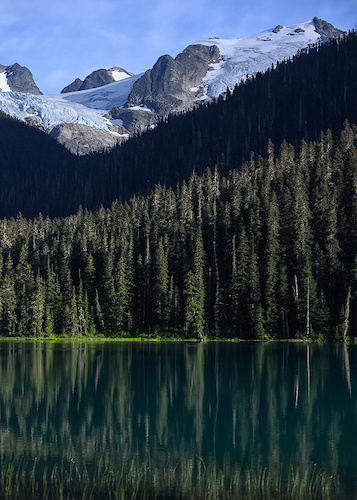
x: 178, y: 410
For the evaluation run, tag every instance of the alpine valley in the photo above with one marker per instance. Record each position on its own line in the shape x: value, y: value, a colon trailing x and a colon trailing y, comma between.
x: 232, y: 213
x: 178, y: 274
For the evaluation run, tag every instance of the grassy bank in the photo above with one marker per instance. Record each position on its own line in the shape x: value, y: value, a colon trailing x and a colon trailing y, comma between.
x: 187, y: 481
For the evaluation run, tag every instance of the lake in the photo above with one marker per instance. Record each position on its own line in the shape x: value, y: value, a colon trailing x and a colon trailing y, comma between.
x: 183, y: 419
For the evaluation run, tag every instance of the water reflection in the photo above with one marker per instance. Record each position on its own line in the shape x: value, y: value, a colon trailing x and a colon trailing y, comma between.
x: 252, y: 405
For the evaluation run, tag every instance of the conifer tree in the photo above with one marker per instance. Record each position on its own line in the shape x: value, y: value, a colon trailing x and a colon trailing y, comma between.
x: 271, y: 268
x: 9, y: 320
x: 194, y: 293
x: 256, y: 313
x: 38, y: 307
x: 161, y: 286
x: 122, y: 294
x: 240, y: 285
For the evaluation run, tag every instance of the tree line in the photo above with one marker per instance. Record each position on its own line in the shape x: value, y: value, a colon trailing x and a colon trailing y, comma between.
x: 269, y: 250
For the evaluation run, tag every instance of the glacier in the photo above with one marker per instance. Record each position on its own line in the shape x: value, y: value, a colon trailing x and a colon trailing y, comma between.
x: 242, y: 58
x: 87, y: 107
x: 48, y: 112
x: 239, y: 58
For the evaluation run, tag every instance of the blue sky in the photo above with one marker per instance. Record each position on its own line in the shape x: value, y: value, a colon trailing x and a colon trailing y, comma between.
x: 59, y: 41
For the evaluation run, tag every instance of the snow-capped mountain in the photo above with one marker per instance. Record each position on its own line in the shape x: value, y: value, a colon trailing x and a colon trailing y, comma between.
x: 245, y: 57
x: 100, y: 117
x: 98, y: 78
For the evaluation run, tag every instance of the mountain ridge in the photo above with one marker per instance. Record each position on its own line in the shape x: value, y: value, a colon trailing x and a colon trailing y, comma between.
x: 200, y: 73
x: 293, y: 102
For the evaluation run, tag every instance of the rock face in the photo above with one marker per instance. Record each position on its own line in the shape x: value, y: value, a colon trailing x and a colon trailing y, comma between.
x: 135, y: 120
x: 20, y: 79
x: 73, y: 87
x: 81, y: 140
x: 326, y: 30
x: 171, y: 84
x: 96, y: 79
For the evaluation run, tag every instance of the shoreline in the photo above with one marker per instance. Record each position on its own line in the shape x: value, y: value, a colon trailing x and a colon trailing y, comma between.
x: 171, y: 340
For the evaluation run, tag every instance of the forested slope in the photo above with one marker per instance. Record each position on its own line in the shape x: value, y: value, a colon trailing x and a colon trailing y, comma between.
x: 33, y: 169
x: 268, y: 250
x: 294, y: 101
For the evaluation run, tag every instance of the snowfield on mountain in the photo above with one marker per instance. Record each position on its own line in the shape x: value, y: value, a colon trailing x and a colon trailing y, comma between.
x: 137, y: 102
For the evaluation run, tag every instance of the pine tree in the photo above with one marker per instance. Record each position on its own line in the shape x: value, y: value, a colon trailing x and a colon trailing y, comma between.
x: 54, y: 302
x: 256, y: 311
x: 271, y: 268
x: 308, y: 302
x: 24, y: 286
x: 239, y: 288
x: 9, y: 320
x: 123, y: 295
x: 161, y: 287
x: 194, y: 293
x: 38, y: 307
x: 283, y: 301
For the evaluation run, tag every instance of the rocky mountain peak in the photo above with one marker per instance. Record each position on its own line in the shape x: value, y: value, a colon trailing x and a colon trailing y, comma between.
x: 171, y: 83
x: 97, y: 78
x: 19, y: 79
x: 326, y: 30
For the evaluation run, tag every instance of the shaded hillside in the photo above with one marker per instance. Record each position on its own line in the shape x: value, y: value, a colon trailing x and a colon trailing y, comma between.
x: 294, y: 101
x: 34, y: 169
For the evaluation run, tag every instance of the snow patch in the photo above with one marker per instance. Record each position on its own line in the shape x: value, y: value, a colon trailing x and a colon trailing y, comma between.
x: 140, y: 108
x: 123, y: 136
x: 244, y: 57
x: 118, y: 75
x: 4, y: 86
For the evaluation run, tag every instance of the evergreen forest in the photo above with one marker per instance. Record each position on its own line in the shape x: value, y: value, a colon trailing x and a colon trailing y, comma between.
x: 267, y: 251
x: 238, y: 219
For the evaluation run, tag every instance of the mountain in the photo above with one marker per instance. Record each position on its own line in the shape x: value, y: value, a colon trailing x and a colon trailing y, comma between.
x: 16, y: 78
x: 97, y: 78
x: 294, y: 102
x: 98, y: 116
x: 205, y: 70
